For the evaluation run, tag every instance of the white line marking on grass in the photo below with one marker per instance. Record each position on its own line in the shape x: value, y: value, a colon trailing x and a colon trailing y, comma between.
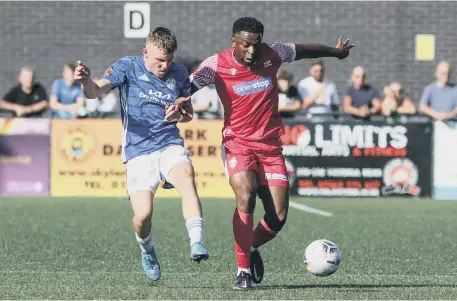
x: 219, y: 273
x: 309, y: 209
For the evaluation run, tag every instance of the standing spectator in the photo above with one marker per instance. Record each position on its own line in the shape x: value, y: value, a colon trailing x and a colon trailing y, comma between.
x: 318, y: 93
x: 27, y: 99
x: 395, y: 102
x: 361, y: 99
x: 289, y: 100
x: 439, y: 99
x: 67, y: 99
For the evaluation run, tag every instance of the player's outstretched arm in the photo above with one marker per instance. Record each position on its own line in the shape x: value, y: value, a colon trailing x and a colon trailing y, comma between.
x: 309, y: 51
x: 91, y: 89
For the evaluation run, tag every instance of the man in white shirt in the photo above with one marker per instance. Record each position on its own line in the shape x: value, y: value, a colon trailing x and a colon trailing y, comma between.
x: 206, y: 103
x: 108, y: 105
x: 318, y: 93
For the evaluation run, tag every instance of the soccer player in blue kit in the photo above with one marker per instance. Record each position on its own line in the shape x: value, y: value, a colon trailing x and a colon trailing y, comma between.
x: 155, y: 95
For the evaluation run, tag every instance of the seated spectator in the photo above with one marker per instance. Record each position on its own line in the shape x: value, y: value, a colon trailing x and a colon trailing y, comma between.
x: 439, y: 99
x: 27, y: 99
x: 361, y: 99
x: 289, y: 100
x: 318, y: 93
x: 67, y: 99
x: 395, y: 102
x: 108, y: 105
x: 206, y: 103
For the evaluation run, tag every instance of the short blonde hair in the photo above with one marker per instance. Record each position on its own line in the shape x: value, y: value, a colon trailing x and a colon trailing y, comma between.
x: 163, y: 38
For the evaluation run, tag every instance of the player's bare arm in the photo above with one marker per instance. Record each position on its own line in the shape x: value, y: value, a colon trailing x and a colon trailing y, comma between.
x: 91, y: 89
x: 309, y: 51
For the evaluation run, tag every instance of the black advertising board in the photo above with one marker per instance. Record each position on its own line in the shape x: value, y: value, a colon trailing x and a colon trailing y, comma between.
x: 358, y: 159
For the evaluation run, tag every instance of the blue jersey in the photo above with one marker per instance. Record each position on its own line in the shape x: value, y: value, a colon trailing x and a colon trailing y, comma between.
x: 143, y: 99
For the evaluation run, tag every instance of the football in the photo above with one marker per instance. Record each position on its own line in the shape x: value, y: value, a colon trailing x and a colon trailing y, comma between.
x: 322, y: 257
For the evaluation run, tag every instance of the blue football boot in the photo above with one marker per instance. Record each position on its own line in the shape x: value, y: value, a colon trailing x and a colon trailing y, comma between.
x: 151, y: 265
x: 198, y: 252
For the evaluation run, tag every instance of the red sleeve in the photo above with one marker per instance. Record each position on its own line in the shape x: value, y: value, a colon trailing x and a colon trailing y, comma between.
x: 205, y: 74
x: 286, y: 51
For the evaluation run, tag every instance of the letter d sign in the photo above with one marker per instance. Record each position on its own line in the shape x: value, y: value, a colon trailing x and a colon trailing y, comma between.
x: 137, y: 20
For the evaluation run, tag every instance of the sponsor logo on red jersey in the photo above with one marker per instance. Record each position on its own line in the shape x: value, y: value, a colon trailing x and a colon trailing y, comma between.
x: 251, y: 87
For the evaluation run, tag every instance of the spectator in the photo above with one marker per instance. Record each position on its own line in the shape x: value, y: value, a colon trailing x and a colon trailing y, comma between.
x: 318, y: 93
x: 206, y: 103
x: 289, y: 100
x: 67, y: 99
x: 395, y: 102
x: 439, y: 99
x: 27, y: 99
x: 361, y: 99
x: 107, y: 106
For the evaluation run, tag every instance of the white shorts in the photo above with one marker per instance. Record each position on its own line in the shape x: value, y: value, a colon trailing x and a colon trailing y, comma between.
x: 147, y: 171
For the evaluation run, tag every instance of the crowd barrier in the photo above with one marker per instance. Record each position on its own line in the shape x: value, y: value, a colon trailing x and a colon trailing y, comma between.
x: 323, y: 157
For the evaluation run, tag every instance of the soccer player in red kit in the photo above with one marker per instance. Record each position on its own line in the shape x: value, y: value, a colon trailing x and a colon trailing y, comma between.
x: 245, y: 79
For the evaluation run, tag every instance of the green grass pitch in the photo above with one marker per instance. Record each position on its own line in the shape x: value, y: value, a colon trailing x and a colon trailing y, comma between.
x: 77, y: 248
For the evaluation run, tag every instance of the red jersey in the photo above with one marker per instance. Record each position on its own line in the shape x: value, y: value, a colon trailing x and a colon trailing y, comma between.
x: 249, y: 94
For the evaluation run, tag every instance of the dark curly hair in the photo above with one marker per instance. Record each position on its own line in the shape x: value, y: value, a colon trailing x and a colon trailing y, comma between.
x: 248, y: 24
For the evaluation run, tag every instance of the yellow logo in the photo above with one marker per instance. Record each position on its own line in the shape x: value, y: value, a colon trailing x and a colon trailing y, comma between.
x: 77, y: 145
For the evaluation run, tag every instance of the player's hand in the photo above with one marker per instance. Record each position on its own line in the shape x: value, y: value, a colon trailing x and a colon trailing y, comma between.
x: 173, y: 113
x: 82, y: 73
x: 344, y: 48
x: 180, y: 100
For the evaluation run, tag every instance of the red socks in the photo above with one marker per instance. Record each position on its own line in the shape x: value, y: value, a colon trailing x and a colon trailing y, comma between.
x: 245, y: 237
x: 262, y: 234
x: 242, y: 230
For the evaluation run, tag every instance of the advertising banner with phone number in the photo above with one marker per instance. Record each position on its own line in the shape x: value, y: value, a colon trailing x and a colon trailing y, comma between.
x: 367, y: 159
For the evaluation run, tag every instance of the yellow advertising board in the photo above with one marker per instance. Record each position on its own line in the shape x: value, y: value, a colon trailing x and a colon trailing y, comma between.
x: 203, y: 139
x: 86, y: 158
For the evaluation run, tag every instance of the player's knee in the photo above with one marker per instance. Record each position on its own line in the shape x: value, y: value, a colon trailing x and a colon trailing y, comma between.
x: 282, y: 215
x: 245, y: 198
x: 276, y: 222
x: 142, y: 219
